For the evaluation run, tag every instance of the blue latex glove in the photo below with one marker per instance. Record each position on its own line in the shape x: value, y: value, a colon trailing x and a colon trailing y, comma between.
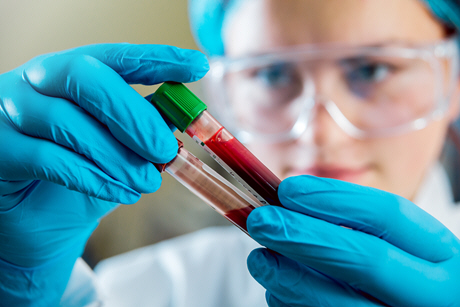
x: 395, y: 251
x: 76, y: 140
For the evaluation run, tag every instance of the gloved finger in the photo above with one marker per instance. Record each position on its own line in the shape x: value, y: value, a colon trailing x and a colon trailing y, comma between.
x: 27, y: 158
x: 62, y: 220
x: 272, y: 301
x: 166, y: 119
x: 382, y: 214
x: 367, y: 263
x: 100, y: 91
x: 148, y: 64
x: 298, y: 285
x: 66, y: 124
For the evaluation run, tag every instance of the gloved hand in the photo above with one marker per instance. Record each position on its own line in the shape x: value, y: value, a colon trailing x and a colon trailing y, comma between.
x: 75, y: 140
x: 389, y: 249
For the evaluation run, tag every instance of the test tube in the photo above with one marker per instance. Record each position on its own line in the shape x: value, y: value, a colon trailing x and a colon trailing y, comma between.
x: 212, y: 188
x: 188, y: 113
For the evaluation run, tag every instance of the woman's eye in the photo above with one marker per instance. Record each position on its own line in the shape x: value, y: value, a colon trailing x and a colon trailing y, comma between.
x: 371, y: 72
x: 276, y: 76
x: 366, y: 76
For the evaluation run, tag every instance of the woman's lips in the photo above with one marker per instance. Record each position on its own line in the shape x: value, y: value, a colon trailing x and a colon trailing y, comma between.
x: 335, y: 172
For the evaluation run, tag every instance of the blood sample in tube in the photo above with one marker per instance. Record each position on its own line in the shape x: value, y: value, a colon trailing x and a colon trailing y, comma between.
x: 240, y: 160
x: 212, y: 188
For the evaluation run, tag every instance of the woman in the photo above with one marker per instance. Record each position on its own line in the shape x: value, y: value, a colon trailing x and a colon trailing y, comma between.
x: 361, y: 92
x: 337, y: 89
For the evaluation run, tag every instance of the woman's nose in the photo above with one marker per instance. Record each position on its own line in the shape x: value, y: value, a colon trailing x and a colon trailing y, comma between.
x: 324, y: 84
x: 322, y: 130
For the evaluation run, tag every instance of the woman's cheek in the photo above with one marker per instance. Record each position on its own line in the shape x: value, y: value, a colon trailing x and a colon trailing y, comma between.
x: 274, y: 156
x: 402, y: 161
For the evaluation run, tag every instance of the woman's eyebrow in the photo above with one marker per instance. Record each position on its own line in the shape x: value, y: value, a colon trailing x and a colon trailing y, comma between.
x: 390, y: 42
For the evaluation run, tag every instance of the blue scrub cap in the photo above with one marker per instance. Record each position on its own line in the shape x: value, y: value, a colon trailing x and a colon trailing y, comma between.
x: 207, y: 19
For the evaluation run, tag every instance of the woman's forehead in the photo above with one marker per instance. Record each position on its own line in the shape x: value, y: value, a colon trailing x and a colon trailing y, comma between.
x: 260, y: 25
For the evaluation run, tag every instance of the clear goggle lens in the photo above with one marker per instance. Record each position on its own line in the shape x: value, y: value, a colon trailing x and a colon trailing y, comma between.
x: 368, y: 91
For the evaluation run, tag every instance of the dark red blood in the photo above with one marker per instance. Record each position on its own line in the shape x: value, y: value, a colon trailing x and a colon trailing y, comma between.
x: 239, y: 216
x: 247, y: 166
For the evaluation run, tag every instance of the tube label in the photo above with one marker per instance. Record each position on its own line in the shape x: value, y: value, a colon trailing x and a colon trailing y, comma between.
x: 218, y: 177
x: 229, y: 170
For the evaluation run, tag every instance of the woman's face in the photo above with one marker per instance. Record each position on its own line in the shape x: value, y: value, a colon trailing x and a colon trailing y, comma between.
x: 396, y: 164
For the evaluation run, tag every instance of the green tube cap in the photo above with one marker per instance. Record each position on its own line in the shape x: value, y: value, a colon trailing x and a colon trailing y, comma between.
x: 178, y: 104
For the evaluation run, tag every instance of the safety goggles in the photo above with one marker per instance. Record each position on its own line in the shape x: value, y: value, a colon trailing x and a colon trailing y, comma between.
x: 369, y: 91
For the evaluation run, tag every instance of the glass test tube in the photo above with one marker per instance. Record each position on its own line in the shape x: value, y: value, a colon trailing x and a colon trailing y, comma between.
x: 189, y: 114
x: 212, y: 188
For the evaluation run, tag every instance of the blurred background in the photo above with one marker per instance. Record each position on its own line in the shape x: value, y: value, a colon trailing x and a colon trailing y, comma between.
x: 30, y: 28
